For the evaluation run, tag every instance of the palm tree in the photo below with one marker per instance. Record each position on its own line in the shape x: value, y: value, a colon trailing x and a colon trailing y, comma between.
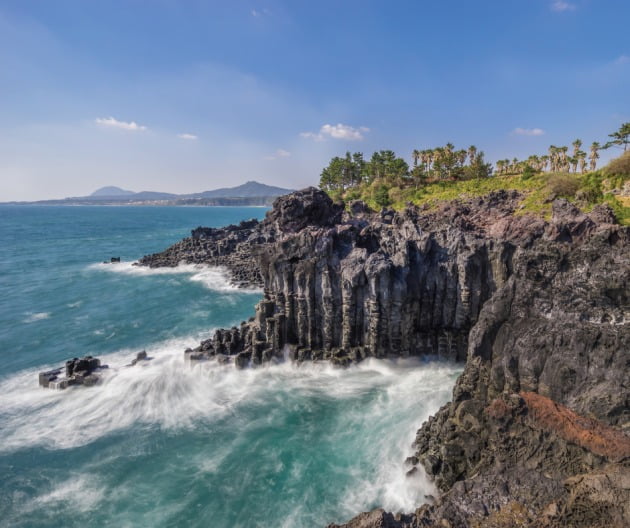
x: 581, y: 156
x: 544, y: 160
x: 594, y: 156
x: 573, y: 163
x: 472, y: 153
x: 553, y: 158
x: 415, y: 155
x: 577, y: 145
x: 564, y: 158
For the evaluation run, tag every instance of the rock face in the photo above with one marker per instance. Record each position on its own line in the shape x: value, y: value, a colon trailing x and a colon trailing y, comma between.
x: 536, y: 434
x: 224, y: 247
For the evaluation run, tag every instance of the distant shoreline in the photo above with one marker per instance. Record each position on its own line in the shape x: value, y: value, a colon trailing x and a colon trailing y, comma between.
x: 138, y: 204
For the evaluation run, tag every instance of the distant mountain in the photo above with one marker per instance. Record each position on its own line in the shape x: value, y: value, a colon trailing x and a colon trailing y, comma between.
x: 250, y: 193
x: 152, y: 195
x: 111, y: 191
x: 250, y: 189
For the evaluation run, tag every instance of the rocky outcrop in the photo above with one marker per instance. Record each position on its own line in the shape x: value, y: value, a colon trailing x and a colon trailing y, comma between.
x: 227, y: 247
x: 536, y: 434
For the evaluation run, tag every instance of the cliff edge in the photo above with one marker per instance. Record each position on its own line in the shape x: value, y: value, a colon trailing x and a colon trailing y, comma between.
x: 537, y: 431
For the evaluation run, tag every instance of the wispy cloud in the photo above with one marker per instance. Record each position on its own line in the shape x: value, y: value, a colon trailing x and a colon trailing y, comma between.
x: 280, y: 153
x: 528, y: 132
x: 114, y: 123
x: 622, y: 59
x: 560, y: 5
x: 338, y: 131
x: 187, y: 136
x: 260, y: 12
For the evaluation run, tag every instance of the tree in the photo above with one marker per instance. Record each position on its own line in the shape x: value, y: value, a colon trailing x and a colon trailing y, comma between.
x: 332, y: 176
x: 594, y: 155
x: 416, y: 156
x: 478, y: 168
x: 472, y: 152
x: 581, y: 156
x: 577, y: 145
x: 381, y: 196
x: 621, y: 138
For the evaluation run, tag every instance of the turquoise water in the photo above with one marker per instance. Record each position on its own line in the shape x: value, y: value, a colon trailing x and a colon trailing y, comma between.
x: 166, y: 444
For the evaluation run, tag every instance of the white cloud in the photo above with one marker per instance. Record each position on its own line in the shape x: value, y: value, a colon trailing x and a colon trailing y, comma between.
x: 528, y: 131
x: 338, y: 131
x: 114, y: 123
x: 560, y: 6
x: 622, y: 59
x: 280, y: 153
x: 187, y: 136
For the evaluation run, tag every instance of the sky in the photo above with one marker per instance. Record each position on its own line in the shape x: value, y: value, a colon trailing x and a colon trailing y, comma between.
x: 188, y: 95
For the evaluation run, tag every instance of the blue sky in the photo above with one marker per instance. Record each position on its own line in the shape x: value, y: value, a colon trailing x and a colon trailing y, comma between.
x: 185, y: 96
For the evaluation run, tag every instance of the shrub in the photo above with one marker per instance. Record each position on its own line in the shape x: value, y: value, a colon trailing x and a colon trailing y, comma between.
x: 381, y: 196
x: 528, y: 172
x: 619, y: 166
x: 563, y: 185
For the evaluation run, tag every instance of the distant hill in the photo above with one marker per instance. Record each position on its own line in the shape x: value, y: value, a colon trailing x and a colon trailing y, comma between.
x: 111, y: 191
x: 250, y: 189
x: 250, y: 193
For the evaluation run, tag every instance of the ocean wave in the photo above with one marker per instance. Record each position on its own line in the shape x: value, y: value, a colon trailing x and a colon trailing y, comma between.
x: 212, y: 277
x: 37, y: 316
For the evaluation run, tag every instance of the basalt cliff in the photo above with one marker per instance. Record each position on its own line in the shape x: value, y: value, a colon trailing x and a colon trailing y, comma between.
x: 538, y: 430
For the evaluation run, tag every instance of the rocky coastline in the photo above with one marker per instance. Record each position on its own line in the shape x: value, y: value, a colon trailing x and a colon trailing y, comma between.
x: 537, y: 433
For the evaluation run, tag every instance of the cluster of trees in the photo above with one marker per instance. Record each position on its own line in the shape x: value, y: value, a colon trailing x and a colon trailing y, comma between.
x: 439, y: 164
x: 446, y: 163
x: 449, y: 164
x: 558, y: 159
x: 353, y: 169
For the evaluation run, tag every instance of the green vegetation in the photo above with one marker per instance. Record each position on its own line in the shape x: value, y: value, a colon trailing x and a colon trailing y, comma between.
x: 445, y: 173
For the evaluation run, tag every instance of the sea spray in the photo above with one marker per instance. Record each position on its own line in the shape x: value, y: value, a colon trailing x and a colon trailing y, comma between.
x: 331, y: 440
x: 212, y: 277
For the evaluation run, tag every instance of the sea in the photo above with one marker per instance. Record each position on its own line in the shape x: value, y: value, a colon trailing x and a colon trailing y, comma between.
x: 164, y: 443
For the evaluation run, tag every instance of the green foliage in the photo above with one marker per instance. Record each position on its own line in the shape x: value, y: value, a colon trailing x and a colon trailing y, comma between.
x: 381, y: 196
x: 620, y: 138
x: 353, y: 170
x: 445, y: 173
x: 528, y: 172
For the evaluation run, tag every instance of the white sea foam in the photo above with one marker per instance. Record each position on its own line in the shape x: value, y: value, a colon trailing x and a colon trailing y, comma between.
x: 212, y: 277
x: 81, y: 492
x: 170, y: 394
x: 37, y: 316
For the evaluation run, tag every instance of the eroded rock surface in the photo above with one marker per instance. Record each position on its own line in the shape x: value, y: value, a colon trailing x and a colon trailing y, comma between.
x: 536, y: 434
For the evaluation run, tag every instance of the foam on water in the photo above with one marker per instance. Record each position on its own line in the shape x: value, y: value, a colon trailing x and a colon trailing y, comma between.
x: 37, y: 316
x: 212, y: 277
x: 376, y: 407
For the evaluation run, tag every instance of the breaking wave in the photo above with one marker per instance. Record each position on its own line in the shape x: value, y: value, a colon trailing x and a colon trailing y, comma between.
x: 212, y: 277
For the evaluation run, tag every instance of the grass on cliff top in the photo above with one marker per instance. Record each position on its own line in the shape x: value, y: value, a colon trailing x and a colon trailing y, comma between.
x: 584, y: 190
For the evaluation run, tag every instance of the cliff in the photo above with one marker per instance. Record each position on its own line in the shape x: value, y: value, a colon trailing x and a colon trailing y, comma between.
x: 537, y: 432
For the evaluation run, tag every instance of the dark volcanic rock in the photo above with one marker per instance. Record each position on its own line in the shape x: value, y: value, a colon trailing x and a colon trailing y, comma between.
x: 536, y: 434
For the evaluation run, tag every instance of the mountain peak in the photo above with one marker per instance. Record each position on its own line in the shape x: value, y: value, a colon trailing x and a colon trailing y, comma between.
x: 111, y: 190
